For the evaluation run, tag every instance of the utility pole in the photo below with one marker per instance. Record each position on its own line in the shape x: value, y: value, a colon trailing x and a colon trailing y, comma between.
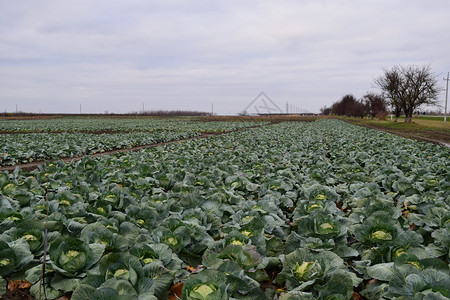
x: 80, y: 108
x: 143, y: 108
x: 212, y: 109
x: 446, y: 98
x: 287, y: 107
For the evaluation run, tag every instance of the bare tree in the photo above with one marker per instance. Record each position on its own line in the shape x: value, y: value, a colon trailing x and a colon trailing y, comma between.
x: 376, y: 105
x: 390, y: 84
x: 407, y: 88
x: 421, y: 88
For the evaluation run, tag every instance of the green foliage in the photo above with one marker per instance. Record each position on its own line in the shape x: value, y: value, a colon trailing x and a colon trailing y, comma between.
x: 14, y: 256
x: 287, y: 211
x: 76, y: 137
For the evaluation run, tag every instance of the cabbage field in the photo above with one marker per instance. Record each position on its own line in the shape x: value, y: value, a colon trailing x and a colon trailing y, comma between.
x: 317, y: 210
x: 91, y: 124
x: 30, y: 140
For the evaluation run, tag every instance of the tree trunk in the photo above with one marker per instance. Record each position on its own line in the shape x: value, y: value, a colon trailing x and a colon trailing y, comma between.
x: 408, y: 115
x: 397, y: 115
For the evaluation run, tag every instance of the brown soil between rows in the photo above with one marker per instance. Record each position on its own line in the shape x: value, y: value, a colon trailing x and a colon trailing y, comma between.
x: 273, y: 119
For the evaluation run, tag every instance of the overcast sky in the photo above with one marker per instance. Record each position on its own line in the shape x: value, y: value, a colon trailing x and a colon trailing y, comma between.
x: 117, y: 56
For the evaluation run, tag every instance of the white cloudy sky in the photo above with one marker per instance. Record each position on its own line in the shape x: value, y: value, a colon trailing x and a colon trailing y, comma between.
x: 117, y: 55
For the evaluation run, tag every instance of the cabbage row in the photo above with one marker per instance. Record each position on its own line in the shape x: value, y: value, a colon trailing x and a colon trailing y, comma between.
x: 24, y: 148
x: 123, y: 124
x: 322, y: 210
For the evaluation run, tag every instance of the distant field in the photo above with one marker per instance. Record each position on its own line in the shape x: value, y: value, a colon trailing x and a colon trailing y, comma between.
x: 429, y: 121
x: 434, y: 120
x: 433, y: 123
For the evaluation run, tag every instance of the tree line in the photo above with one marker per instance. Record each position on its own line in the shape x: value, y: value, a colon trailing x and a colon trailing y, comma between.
x: 404, y: 89
x: 372, y: 105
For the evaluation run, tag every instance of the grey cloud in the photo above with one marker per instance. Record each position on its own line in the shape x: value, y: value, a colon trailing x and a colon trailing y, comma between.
x: 115, y: 55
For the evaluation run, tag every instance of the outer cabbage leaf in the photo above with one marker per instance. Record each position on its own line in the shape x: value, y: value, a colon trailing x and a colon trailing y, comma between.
x: 14, y: 256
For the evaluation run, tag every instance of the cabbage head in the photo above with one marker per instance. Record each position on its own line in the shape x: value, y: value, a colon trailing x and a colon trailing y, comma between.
x: 72, y: 256
x: 303, y: 268
x: 14, y: 256
x: 206, y: 285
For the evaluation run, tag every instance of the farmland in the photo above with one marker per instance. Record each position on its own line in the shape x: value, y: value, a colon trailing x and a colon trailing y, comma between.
x: 30, y: 140
x: 294, y: 210
x: 106, y: 125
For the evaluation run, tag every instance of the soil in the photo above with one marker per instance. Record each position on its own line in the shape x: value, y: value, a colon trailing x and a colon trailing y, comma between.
x: 269, y: 118
x: 17, y: 294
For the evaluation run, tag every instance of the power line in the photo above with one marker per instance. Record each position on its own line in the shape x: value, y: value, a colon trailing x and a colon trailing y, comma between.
x: 446, y: 97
